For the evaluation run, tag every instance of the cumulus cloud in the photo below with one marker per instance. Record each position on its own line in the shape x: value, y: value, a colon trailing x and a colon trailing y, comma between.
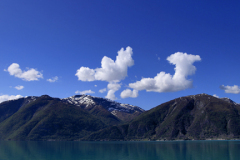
x: 103, y: 90
x: 112, y: 88
x: 128, y: 93
x: 231, y: 89
x: 110, y: 71
x: 9, y: 97
x: 29, y: 75
x: 165, y: 82
x: 19, y: 87
x: 85, y: 74
x: 54, y: 79
x: 85, y: 92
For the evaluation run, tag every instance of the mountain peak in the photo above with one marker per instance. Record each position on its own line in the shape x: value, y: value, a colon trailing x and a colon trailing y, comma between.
x: 121, y: 111
x: 45, y: 96
x: 211, y: 97
x: 80, y: 100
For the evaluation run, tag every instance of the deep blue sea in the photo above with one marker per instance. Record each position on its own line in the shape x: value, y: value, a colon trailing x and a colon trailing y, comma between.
x: 167, y: 150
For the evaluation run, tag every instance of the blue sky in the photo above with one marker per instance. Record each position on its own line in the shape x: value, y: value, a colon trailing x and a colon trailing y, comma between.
x: 43, y: 41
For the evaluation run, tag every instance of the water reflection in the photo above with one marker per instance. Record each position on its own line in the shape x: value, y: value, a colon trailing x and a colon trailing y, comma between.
x: 173, y: 150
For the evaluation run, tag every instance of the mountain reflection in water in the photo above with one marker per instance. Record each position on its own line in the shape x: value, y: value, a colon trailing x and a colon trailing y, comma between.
x: 167, y: 150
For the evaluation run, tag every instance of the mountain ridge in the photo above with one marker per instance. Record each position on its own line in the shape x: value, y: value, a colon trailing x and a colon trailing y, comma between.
x: 47, y: 118
x: 82, y: 117
x: 195, y: 117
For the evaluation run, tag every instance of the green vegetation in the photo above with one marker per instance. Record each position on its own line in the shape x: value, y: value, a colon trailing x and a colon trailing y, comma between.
x: 193, y: 117
x: 49, y: 119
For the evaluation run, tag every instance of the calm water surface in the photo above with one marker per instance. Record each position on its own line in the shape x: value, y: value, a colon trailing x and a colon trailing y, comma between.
x: 168, y: 150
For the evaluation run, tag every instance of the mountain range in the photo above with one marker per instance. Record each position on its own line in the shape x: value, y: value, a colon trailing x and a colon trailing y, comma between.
x: 47, y: 118
x: 83, y: 117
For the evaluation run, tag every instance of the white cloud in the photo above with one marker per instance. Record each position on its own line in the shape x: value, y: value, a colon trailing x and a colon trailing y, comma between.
x: 29, y: 75
x: 110, y: 71
x: 165, y: 82
x: 19, y: 87
x: 103, y: 90
x: 54, y: 79
x: 215, y: 96
x: 112, y: 88
x: 9, y: 97
x: 95, y: 85
x: 85, y: 92
x: 128, y: 93
x: 85, y: 74
x: 231, y: 89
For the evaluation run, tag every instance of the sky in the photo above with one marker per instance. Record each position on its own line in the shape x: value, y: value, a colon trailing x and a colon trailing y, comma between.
x: 138, y: 52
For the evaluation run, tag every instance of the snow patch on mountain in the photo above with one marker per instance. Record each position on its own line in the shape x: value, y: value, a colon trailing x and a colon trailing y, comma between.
x: 79, y: 100
x: 110, y: 105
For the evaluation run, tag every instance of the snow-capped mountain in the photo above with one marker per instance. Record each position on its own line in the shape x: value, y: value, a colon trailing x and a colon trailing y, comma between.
x: 122, y: 111
x: 84, y: 117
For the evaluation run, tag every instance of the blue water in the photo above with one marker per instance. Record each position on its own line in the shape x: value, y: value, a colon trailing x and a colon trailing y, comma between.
x: 168, y: 150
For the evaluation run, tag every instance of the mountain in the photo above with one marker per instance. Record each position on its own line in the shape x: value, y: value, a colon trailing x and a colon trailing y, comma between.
x: 123, y: 112
x: 8, y: 108
x: 192, y: 117
x: 229, y: 100
x: 83, y: 117
x: 47, y: 118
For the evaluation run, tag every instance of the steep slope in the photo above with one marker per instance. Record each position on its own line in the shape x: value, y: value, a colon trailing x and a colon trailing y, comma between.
x: 49, y: 118
x: 193, y: 117
x: 8, y: 108
x: 119, y: 111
